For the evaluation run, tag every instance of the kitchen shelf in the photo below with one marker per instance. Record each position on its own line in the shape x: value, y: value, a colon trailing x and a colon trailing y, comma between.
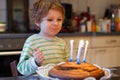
x: 90, y: 34
x: 25, y: 35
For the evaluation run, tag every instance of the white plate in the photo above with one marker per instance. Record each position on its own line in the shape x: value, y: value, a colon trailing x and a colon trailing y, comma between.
x: 43, y: 72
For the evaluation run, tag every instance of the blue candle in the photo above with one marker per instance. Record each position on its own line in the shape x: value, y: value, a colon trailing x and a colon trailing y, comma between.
x: 81, y: 43
x: 71, y: 50
x: 85, y: 52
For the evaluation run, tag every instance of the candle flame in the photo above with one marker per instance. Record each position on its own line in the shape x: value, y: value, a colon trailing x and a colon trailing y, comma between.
x: 71, y: 41
x: 81, y: 43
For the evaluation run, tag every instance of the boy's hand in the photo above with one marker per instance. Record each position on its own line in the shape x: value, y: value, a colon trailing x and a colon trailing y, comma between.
x: 38, y: 56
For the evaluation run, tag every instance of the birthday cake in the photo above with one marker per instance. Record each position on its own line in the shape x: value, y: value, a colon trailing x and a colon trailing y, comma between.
x: 73, y: 71
x: 78, y: 69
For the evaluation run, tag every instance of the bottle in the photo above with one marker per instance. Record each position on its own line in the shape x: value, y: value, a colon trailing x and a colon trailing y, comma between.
x: 93, y: 27
x: 117, y: 21
x: 113, y: 23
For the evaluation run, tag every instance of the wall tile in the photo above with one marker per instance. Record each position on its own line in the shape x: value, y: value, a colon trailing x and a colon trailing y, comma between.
x: 3, y: 16
x: 2, y: 4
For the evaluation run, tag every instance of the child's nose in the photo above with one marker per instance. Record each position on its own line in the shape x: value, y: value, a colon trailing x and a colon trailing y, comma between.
x: 55, y: 22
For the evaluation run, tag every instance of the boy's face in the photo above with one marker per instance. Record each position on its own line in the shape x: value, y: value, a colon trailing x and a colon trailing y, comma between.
x: 51, y: 24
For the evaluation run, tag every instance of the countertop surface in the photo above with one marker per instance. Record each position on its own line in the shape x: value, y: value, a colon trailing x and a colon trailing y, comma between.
x: 114, y: 70
x: 25, y: 35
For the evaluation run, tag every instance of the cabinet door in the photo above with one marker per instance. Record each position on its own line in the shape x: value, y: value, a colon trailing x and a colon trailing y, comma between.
x: 116, y: 56
x: 89, y: 55
x: 106, y: 57
x: 105, y: 41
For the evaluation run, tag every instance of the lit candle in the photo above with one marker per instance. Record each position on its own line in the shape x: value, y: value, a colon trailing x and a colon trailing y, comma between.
x: 81, y: 43
x: 71, y: 50
x: 85, y: 52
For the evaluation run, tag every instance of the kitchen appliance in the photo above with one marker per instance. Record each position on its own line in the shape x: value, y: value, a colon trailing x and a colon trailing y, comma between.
x: 10, y: 50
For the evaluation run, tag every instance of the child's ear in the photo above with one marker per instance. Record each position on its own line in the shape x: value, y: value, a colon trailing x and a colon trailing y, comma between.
x: 36, y: 23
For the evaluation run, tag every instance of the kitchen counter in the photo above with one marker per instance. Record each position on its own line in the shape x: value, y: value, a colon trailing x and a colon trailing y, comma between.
x: 25, y: 35
x: 90, y: 34
x: 115, y: 76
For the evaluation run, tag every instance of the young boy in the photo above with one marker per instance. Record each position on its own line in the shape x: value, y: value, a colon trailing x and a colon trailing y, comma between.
x: 45, y: 47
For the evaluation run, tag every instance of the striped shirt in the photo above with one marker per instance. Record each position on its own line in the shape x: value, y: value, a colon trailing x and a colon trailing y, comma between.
x: 54, y: 51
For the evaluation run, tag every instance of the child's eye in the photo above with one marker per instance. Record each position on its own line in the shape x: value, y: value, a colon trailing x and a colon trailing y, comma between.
x: 53, y: 19
x: 59, y: 19
x: 49, y: 19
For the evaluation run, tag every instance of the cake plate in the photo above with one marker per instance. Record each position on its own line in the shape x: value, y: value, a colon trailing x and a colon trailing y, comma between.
x: 43, y: 72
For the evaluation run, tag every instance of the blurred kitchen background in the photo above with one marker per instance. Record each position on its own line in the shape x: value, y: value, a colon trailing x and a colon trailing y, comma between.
x: 97, y: 21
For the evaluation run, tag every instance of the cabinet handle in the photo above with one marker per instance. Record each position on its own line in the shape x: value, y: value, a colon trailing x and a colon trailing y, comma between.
x: 111, y: 41
x: 100, y: 50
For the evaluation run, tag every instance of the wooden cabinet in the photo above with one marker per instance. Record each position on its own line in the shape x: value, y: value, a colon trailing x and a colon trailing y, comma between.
x: 105, y: 41
x: 106, y: 57
x: 103, y: 50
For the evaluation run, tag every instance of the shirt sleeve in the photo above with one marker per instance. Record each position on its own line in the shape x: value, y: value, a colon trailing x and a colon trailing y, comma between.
x: 27, y: 65
x: 34, y: 64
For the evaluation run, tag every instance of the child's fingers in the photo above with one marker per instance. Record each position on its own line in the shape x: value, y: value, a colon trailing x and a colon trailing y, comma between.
x: 38, y: 50
x: 35, y: 49
x: 38, y: 56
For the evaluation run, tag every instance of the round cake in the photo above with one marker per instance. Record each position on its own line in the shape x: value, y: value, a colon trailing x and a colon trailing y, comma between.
x: 73, y: 71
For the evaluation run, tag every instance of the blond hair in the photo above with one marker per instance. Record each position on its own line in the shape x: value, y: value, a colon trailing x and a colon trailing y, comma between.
x: 41, y: 8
